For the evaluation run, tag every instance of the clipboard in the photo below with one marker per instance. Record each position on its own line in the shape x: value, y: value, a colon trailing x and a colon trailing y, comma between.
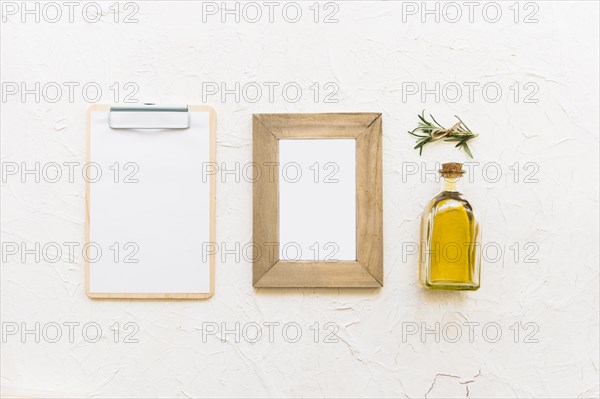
x: 150, y: 202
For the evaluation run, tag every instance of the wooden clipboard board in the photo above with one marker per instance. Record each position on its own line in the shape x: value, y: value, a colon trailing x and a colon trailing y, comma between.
x: 98, y: 281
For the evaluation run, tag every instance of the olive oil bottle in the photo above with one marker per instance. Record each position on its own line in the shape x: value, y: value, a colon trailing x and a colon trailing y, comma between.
x: 450, y: 257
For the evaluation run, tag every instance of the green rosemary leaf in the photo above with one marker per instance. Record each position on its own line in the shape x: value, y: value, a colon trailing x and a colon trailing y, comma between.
x: 436, y: 122
x: 414, y: 134
x: 468, y: 150
x: 421, y: 143
x: 424, y: 121
x: 464, y: 124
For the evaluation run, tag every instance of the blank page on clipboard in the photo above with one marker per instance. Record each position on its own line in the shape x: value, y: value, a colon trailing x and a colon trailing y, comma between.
x: 151, y: 211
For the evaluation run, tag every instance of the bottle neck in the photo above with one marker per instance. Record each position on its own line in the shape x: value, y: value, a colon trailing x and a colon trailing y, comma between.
x: 450, y: 184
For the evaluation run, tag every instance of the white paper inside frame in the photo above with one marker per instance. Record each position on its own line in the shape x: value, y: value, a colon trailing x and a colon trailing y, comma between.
x: 151, y: 219
x: 317, y: 199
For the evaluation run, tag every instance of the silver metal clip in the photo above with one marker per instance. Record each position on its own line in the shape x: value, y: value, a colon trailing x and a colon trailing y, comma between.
x: 149, y: 116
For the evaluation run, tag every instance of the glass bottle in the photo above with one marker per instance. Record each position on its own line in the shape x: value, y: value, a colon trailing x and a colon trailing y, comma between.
x: 450, y: 257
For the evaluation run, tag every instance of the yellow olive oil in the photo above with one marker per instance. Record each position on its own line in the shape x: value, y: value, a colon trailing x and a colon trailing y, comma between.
x: 450, y: 255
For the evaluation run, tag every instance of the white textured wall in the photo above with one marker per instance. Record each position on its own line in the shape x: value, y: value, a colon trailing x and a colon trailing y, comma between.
x: 370, y: 53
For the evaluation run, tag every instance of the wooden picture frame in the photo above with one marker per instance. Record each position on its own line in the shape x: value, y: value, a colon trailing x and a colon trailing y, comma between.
x: 367, y: 269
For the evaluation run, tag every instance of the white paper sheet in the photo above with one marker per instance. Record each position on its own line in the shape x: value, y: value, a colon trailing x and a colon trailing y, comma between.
x: 162, y: 220
x: 317, y: 199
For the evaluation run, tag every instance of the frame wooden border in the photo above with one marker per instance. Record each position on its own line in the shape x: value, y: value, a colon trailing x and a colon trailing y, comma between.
x: 367, y: 270
x: 213, y: 181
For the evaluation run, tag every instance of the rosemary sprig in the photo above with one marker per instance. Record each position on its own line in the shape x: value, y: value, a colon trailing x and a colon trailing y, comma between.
x: 428, y: 132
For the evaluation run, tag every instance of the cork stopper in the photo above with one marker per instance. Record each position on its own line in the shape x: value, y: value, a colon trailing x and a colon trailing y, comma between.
x: 452, y: 169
